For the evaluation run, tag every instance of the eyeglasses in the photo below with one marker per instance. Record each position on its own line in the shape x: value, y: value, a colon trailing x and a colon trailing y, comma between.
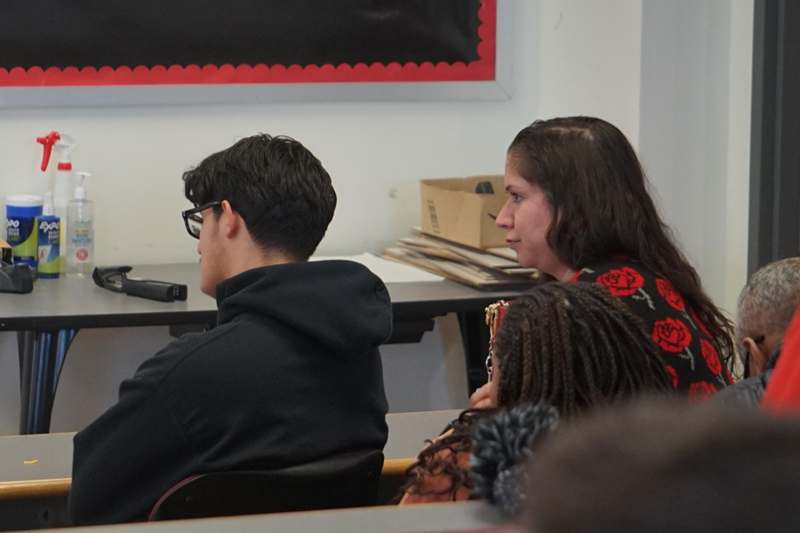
x: 193, y: 218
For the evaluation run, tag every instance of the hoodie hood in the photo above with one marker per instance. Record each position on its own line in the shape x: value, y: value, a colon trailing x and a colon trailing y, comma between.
x: 341, y: 304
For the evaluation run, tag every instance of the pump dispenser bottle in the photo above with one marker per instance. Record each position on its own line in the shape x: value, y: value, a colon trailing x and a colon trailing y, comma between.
x: 80, y: 230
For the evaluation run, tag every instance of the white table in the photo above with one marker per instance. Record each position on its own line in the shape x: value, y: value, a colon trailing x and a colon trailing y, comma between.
x: 48, y: 319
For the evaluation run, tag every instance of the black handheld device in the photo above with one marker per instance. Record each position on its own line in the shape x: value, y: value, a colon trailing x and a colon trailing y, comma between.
x: 115, y: 278
x: 13, y: 278
x: 16, y: 278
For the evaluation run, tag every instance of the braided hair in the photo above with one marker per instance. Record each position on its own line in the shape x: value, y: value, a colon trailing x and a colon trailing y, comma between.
x: 574, y: 346
x: 568, y: 345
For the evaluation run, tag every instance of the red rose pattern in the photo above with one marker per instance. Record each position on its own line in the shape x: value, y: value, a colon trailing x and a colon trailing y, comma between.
x: 711, y: 356
x: 671, y: 335
x: 701, y: 390
x: 673, y: 375
x: 668, y: 292
x: 623, y: 281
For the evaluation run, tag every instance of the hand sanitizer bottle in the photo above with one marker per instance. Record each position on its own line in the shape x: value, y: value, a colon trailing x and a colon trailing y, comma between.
x: 80, y: 230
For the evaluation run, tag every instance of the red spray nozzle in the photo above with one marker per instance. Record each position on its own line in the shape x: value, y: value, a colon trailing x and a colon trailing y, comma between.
x: 47, y: 143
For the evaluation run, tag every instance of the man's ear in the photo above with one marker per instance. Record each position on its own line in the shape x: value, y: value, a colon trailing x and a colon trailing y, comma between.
x: 758, y: 358
x: 230, y: 221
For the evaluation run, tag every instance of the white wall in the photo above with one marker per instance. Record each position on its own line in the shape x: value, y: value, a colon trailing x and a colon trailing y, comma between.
x: 737, y: 188
x: 695, y: 130
x: 570, y: 57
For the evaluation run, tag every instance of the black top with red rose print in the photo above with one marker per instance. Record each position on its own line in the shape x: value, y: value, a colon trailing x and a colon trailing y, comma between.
x: 686, y: 345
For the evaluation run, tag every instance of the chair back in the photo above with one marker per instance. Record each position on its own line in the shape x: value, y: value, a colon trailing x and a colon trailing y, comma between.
x: 345, y: 480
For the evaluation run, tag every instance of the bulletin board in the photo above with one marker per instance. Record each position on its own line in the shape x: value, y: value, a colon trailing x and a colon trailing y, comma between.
x: 113, y: 43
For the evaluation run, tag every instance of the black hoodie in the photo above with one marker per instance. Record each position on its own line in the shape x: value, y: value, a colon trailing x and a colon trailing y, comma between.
x: 290, y: 374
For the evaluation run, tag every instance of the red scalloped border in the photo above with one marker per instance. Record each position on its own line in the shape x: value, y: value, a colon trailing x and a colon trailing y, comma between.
x: 481, y: 70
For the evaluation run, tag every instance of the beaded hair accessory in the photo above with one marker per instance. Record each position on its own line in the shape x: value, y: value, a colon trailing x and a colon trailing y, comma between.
x: 494, y: 314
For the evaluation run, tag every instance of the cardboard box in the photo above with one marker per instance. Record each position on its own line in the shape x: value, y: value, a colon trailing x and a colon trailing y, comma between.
x: 451, y: 209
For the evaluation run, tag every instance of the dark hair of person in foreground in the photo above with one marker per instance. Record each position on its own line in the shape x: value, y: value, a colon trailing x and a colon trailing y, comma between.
x: 668, y: 466
x: 571, y: 346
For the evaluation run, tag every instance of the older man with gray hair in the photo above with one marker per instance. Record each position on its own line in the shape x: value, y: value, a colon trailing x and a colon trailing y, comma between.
x: 765, y: 308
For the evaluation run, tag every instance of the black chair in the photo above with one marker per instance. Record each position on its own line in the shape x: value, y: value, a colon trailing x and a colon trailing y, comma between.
x: 347, y: 480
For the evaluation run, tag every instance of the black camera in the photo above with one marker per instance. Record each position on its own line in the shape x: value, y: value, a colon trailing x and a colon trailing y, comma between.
x: 13, y: 278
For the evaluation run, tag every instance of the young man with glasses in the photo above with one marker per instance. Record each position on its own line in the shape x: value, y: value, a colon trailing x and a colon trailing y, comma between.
x: 290, y: 374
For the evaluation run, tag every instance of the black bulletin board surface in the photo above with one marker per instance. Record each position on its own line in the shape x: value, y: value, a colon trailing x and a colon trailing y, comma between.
x: 64, y: 42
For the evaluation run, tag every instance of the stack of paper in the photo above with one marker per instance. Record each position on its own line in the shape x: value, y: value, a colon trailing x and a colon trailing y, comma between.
x: 495, y: 268
x: 388, y: 271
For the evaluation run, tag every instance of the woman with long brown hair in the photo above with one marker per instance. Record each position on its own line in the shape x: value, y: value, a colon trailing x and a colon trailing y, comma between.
x: 578, y: 209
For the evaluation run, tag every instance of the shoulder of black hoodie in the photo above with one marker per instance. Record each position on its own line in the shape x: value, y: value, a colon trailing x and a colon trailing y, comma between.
x: 116, y: 457
x: 157, y: 368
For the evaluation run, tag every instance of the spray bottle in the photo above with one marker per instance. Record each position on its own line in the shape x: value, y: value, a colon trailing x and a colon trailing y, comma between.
x: 63, y: 182
x: 80, y: 230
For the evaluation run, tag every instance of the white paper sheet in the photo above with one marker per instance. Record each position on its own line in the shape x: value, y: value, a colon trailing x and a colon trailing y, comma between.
x: 388, y: 271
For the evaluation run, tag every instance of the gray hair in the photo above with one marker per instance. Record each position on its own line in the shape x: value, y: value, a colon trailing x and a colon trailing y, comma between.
x: 768, y: 301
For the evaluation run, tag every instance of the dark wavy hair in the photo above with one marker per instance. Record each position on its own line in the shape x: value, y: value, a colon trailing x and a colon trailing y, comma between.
x: 279, y: 188
x: 571, y: 346
x: 601, y: 208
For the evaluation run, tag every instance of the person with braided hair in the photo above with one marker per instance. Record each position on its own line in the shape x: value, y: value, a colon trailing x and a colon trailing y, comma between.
x: 566, y: 346
x: 578, y: 209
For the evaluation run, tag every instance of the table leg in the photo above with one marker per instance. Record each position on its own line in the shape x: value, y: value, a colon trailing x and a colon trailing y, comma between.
x: 454, y: 361
x: 26, y: 343
x: 41, y: 356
